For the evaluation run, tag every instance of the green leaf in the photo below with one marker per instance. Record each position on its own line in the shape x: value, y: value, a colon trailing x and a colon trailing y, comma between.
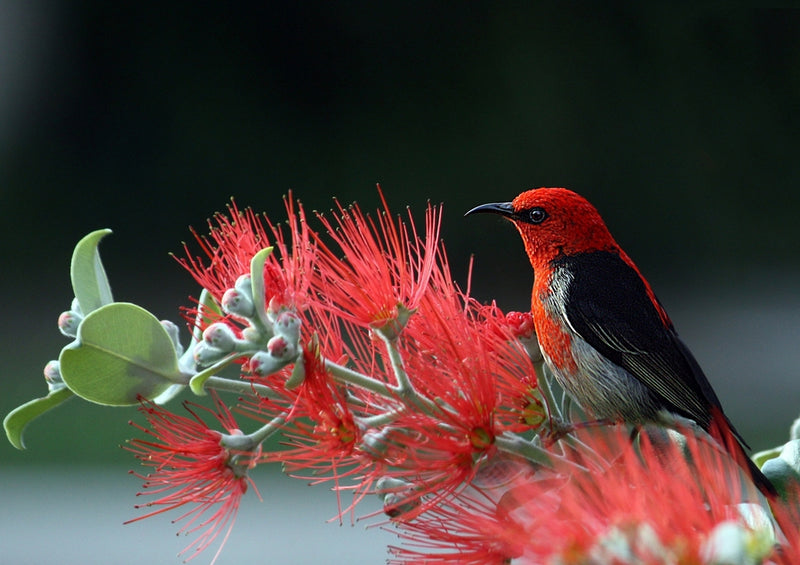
x: 198, y: 381
x: 89, y: 281
x: 257, y: 281
x: 19, y: 418
x: 122, y: 351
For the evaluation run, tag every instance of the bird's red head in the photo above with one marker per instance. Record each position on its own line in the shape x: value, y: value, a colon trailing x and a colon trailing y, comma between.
x: 554, y: 222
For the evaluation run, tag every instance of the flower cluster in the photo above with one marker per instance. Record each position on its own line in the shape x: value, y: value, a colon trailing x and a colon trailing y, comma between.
x: 359, y: 349
x: 659, y: 501
x: 355, y: 347
x: 192, y: 466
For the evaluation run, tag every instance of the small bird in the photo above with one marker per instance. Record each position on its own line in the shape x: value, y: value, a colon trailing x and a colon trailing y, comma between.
x: 602, y: 331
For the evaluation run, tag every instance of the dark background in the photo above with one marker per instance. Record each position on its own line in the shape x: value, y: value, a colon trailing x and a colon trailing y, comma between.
x: 682, y: 126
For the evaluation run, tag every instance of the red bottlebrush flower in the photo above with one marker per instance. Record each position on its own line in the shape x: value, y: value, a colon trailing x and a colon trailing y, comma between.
x: 323, y: 435
x: 654, y: 503
x: 191, y: 467
x: 467, y: 529
x: 380, y: 268
x: 666, y: 499
x: 465, y: 357
x: 474, y: 380
x: 235, y: 238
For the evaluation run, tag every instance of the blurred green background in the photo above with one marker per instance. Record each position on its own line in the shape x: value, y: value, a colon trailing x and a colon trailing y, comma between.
x: 682, y: 126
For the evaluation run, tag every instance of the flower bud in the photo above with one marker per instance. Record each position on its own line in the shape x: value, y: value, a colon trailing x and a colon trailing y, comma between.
x: 174, y: 334
x: 386, y: 485
x: 617, y: 543
x: 52, y: 374
x: 244, y: 284
x: 263, y: 364
x: 276, y: 305
x: 252, y: 335
x: 68, y: 323
x: 205, y: 354
x: 399, y: 497
x: 794, y: 432
x: 396, y: 504
x: 220, y: 336
x: 521, y: 324
x: 238, y: 303
x: 502, y: 472
x: 377, y: 443
x: 287, y: 324
x: 76, y: 307
x: 279, y: 348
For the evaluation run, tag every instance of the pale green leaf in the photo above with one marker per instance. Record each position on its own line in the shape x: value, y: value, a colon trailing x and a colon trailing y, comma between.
x: 18, y: 419
x: 198, y: 381
x: 257, y: 281
x: 89, y: 281
x: 122, y: 352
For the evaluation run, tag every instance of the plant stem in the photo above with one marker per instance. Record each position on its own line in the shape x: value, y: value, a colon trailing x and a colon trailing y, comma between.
x: 348, y: 376
x: 405, y: 389
x: 250, y: 441
x: 404, y: 385
x: 239, y: 386
x: 516, y: 445
x: 379, y: 420
x: 546, y: 390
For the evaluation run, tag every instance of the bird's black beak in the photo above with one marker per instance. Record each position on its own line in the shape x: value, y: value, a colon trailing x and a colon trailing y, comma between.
x: 502, y: 208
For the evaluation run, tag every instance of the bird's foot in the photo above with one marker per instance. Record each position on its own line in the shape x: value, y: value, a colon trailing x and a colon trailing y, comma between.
x: 559, y: 428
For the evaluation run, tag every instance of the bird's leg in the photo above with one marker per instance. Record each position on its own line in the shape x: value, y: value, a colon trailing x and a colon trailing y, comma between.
x: 556, y: 430
x: 559, y: 428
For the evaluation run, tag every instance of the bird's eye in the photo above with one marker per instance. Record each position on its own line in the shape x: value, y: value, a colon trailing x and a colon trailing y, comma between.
x: 537, y: 215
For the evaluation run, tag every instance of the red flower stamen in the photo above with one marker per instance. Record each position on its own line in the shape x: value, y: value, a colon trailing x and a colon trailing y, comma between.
x: 378, y: 264
x: 191, y: 467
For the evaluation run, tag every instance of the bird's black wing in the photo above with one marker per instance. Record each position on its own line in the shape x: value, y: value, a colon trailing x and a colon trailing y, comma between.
x: 607, y: 304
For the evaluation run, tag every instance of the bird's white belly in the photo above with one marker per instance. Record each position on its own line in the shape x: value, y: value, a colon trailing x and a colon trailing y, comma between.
x: 603, y: 388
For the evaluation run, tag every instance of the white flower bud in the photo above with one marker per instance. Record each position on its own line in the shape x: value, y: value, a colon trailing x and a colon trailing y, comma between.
x: 68, y: 323
x: 220, y: 336
x: 205, y: 354
x: 52, y: 374
x: 263, y: 364
x: 397, y: 504
x: 252, y: 335
x: 174, y: 334
x: 244, y: 284
x: 76, y: 307
x: 238, y: 303
x: 376, y: 443
x: 287, y: 324
x: 280, y: 348
x: 399, y: 497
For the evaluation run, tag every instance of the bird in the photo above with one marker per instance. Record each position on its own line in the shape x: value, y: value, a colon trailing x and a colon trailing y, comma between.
x: 602, y: 331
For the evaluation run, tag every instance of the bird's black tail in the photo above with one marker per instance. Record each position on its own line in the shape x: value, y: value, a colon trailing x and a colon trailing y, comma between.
x: 723, y: 431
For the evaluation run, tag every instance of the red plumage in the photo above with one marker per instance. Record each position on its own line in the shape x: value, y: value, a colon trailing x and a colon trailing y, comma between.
x: 602, y: 331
